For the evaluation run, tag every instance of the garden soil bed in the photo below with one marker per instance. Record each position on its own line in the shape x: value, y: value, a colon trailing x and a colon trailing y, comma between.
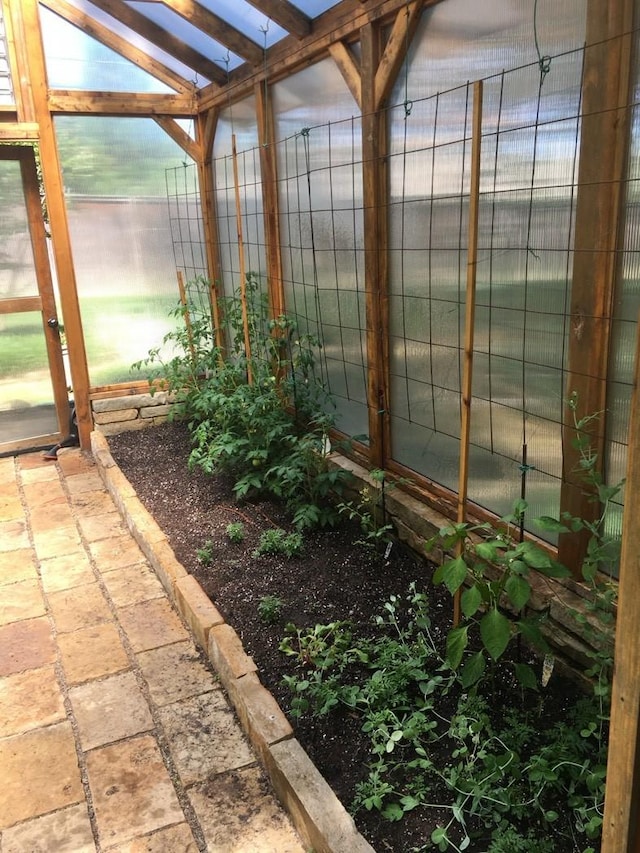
x: 334, y: 579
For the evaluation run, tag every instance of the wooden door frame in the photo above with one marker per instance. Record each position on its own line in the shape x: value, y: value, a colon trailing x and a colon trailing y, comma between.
x: 45, y: 301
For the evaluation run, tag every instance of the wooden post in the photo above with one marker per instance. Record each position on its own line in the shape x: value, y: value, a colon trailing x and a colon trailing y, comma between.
x: 26, y: 28
x: 205, y: 132
x: 243, y: 275
x: 604, y: 145
x: 469, y: 326
x: 620, y: 832
x: 376, y: 241
x: 185, y: 311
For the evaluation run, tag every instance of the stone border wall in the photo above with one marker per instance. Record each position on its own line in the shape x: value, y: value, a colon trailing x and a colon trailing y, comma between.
x: 113, y: 415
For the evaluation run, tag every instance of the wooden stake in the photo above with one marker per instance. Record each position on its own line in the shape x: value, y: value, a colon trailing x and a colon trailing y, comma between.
x: 470, y: 309
x: 185, y: 311
x: 243, y: 278
x: 620, y: 829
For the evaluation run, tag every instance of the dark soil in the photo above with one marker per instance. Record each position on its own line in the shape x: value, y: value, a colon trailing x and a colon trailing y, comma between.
x: 332, y: 580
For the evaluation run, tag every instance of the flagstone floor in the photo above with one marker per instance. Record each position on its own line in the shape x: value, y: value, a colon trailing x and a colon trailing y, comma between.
x: 114, y: 732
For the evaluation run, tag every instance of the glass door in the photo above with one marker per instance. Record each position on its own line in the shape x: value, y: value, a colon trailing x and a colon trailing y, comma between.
x: 34, y: 407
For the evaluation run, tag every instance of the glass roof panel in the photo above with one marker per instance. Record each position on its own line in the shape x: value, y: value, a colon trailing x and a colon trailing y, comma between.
x: 247, y: 19
x: 313, y: 8
x: 77, y: 61
x: 186, y: 32
x: 138, y: 41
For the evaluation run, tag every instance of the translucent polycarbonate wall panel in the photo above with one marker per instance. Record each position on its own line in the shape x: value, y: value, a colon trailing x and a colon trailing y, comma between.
x: 6, y: 88
x: 239, y: 121
x: 626, y: 310
x: 528, y: 171
x: 75, y: 60
x: 320, y: 178
x: 114, y: 171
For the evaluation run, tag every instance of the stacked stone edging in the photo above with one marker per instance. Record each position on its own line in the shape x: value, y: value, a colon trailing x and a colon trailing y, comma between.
x: 114, y: 415
x: 318, y: 815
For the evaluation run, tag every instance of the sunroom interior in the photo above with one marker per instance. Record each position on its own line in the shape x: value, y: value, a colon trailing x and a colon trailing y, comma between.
x: 446, y: 194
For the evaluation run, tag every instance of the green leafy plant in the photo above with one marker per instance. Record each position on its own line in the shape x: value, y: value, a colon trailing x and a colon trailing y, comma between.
x: 262, y: 414
x: 370, y: 512
x: 278, y: 541
x: 270, y: 608
x: 205, y: 554
x: 496, y: 567
x: 235, y: 531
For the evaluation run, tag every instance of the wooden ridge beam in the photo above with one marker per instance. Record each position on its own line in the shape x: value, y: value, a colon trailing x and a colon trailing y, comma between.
x: 216, y: 27
x: 172, y: 45
x: 73, y: 15
x: 67, y: 102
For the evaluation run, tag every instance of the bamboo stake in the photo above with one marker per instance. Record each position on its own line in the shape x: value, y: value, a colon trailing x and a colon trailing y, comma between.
x: 620, y: 831
x: 470, y: 309
x: 185, y: 312
x: 243, y: 281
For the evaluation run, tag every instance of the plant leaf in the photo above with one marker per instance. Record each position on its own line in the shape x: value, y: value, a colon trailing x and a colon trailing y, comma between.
x: 518, y: 590
x: 495, y: 631
x: 487, y: 551
x: 470, y: 601
x: 473, y: 669
x: 552, y: 525
x: 455, y: 574
x: 457, y: 640
x: 526, y: 676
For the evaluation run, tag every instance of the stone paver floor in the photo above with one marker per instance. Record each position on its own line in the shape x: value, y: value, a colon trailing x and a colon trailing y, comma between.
x: 114, y: 732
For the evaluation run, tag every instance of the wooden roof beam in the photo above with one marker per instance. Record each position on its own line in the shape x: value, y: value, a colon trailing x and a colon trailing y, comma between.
x: 217, y: 28
x: 395, y: 51
x: 74, y: 15
x: 162, y: 39
x: 179, y: 136
x: 349, y: 67
x: 66, y: 102
x: 286, y: 15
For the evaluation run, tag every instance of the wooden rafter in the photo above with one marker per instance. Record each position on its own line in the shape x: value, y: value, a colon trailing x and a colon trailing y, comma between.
x: 216, y: 27
x: 120, y: 103
x: 342, y: 23
x: 286, y: 15
x: 114, y: 42
x: 172, y: 45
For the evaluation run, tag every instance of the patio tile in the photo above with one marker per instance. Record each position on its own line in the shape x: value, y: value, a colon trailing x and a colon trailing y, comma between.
x: 11, y: 508
x: 92, y: 503
x: 29, y: 700
x: 116, y: 552
x: 17, y: 566
x: 175, y: 839
x: 79, y: 607
x: 26, y: 645
x: 132, y: 585
x: 39, y: 773
x: 66, y: 571
x: 37, y: 494
x: 110, y: 710
x: 175, y: 672
x: 92, y: 653
x: 151, y: 624
x: 39, y: 473
x: 65, y: 831
x: 7, y: 470
x: 237, y: 811
x: 204, y: 737
x: 21, y: 600
x: 51, y: 516
x: 74, y: 461
x: 132, y: 791
x: 35, y: 459
x: 56, y: 542
x: 13, y: 535
x: 89, y: 481
x: 102, y: 526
